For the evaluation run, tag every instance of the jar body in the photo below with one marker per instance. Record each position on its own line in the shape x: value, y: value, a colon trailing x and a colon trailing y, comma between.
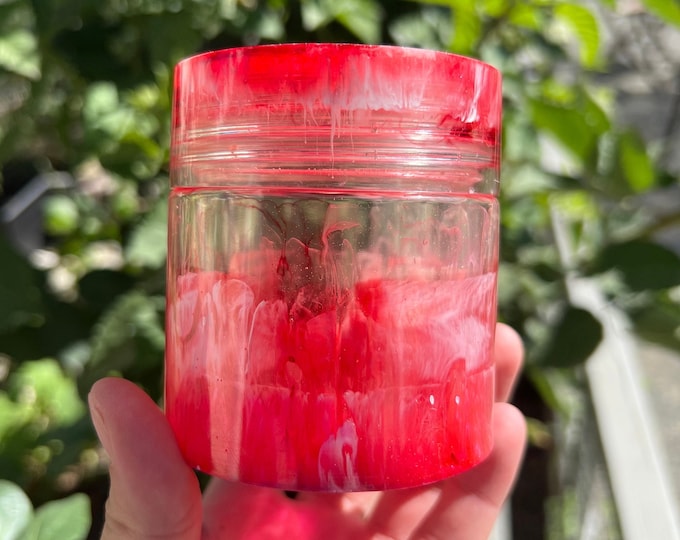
x: 331, y: 327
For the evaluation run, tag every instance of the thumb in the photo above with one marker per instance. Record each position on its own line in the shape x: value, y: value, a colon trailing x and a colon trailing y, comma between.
x: 153, y: 494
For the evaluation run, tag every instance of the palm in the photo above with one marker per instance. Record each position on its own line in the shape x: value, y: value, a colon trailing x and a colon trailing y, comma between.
x: 398, y: 514
x: 154, y: 494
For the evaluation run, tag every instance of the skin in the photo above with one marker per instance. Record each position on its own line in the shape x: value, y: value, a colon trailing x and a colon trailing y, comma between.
x: 155, y: 495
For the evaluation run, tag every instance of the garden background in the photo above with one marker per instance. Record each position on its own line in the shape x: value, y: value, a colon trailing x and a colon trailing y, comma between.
x: 85, y: 89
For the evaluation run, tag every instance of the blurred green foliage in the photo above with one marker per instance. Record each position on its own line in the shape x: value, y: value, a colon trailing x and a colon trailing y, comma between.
x: 64, y: 519
x: 85, y: 88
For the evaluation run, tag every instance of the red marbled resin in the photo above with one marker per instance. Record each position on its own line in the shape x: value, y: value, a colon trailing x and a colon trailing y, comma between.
x: 332, y: 265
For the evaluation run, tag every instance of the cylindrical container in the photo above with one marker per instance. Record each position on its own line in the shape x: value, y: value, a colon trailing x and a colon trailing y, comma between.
x: 333, y: 247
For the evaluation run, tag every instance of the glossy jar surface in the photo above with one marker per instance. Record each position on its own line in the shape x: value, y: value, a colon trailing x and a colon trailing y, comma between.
x: 333, y: 248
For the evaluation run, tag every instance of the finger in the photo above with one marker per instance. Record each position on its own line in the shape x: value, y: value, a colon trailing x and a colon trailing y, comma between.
x: 396, y: 513
x: 153, y: 494
x: 470, y: 502
x: 240, y: 511
x: 357, y: 504
x: 508, y: 355
x: 400, y: 511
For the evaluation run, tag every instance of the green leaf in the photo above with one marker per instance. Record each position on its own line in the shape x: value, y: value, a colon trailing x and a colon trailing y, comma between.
x: 643, y: 265
x: 315, y: 14
x: 519, y: 138
x: 575, y: 204
x: 526, y: 180
x: 361, y: 17
x: 576, y: 125
x: 13, y: 416
x: 636, y: 165
x: 431, y: 30
x: 543, y: 381
x: 466, y: 23
x: 494, y: 8
x: 270, y: 26
x: 129, y: 336
x: 148, y: 242
x: 575, y: 337
x: 584, y: 25
x: 101, y: 100
x: 526, y: 16
x: 668, y: 10
x: 15, y: 511
x: 467, y: 26
x: 61, y: 215
x: 20, y: 296
x: 447, y: 3
x: 170, y: 37
x: 19, y: 53
x: 558, y: 92
x: 106, y: 119
x: 54, y: 394
x: 65, y: 519
x: 135, y: 314
x: 567, y: 125
x: 659, y: 322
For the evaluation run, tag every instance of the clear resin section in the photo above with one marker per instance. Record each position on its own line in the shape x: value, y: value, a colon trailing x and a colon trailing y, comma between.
x: 336, y: 341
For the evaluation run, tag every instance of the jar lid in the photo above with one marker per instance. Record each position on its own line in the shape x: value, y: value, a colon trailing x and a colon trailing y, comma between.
x: 304, y: 113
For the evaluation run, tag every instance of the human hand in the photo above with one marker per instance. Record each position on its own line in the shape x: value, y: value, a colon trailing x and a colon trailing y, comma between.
x: 155, y: 495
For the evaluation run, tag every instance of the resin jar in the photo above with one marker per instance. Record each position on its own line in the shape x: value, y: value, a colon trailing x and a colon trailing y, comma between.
x: 333, y: 248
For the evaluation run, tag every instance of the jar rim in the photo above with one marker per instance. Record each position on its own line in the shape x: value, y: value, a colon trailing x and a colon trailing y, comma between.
x: 305, y: 105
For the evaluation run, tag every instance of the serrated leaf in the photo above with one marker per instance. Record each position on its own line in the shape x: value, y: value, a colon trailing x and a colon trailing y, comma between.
x: 16, y: 511
x: 64, y: 519
x: 584, y: 25
x: 575, y: 337
x: 668, y: 10
x: 643, y: 265
x: 636, y: 165
x: 19, y: 53
x: 148, y: 242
